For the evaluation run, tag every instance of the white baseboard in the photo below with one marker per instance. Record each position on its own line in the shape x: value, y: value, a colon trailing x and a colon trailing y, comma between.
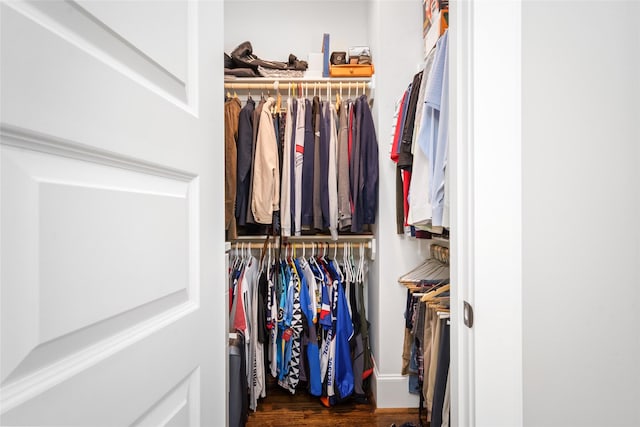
x: 392, y: 391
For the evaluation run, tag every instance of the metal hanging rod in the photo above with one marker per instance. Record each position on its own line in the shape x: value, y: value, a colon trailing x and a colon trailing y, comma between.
x: 306, y: 85
x: 354, y: 238
x: 300, y: 245
x: 305, y: 242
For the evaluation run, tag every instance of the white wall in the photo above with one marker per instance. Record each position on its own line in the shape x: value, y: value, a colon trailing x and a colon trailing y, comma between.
x: 277, y: 28
x: 581, y: 213
x: 396, y: 46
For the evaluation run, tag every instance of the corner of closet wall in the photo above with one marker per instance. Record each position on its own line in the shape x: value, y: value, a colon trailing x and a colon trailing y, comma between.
x: 395, y: 30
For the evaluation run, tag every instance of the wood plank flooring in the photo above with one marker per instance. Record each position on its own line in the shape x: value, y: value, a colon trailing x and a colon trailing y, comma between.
x: 281, y: 409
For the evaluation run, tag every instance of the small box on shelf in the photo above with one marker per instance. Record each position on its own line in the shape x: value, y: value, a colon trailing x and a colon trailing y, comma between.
x: 352, y: 70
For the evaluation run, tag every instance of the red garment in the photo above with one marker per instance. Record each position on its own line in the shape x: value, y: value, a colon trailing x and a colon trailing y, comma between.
x: 398, y: 133
x: 406, y: 180
x: 239, y: 322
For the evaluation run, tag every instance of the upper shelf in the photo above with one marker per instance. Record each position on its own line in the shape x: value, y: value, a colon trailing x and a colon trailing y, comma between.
x: 269, y: 83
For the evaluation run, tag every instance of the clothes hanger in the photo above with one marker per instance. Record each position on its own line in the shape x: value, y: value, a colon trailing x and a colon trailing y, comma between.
x: 434, y: 293
x: 360, y: 277
x: 335, y: 260
x: 236, y: 260
x: 430, y: 269
x: 242, y: 255
x: 324, y: 252
x: 314, y: 262
x: 345, y: 262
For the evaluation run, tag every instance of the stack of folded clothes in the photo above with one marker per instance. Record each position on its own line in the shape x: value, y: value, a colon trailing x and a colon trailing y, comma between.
x: 243, y: 63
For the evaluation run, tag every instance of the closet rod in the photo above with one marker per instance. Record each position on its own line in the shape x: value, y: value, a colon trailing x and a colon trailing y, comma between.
x: 306, y: 85
x: 298, y: 245
x: 297, y: 242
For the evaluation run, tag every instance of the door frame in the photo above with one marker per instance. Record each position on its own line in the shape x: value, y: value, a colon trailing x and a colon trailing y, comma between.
x: 486, y: 213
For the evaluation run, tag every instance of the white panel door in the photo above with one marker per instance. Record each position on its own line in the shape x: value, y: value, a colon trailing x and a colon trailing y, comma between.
x: 486, y: 238
x: 112, y: 308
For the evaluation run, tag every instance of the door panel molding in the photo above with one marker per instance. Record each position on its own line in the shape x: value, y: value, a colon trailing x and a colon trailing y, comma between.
x: 79, y: 27
x: 20, y: 391
x: 35, y: 360
x: 14, y: 136
x: 182, y: 401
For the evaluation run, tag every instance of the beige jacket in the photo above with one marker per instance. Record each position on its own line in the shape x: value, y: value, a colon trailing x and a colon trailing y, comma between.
x: 266, y: 176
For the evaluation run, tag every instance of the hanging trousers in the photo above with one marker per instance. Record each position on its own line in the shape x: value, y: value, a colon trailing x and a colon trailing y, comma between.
x: 442, y: 372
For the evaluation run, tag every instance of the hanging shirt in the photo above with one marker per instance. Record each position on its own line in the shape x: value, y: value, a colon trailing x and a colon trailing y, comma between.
x: 285, y: 193
x: 343, y: 333
x: 249, y: 278
x: 396, y: 126
x: 308, y: 306
x: 272, y: 306
x: 332, y: 181
x: 266, y: 177
x: 256, y: 125
x: 257, y: 383
x: 435, y: 145
x: 317, y: 205
x: 325, y: 136
x: 299, y: 158
x: 292, y: 169
x: 231, y: 114
x: 405, y: 160
x: 369, y: 167
x: 420, y: 103
x: 442, y: 142
x: 344, y: 194
x: 307, y: 167
x: 245, y: 161
x: 420, y: 211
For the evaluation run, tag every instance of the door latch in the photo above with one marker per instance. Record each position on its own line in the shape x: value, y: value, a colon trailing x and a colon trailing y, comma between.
x: 468, y: 314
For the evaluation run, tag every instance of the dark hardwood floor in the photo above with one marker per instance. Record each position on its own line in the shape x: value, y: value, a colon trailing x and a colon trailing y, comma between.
x: 280, y: 408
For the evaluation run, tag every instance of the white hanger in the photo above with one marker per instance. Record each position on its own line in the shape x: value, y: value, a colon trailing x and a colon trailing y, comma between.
x: 360, y: 277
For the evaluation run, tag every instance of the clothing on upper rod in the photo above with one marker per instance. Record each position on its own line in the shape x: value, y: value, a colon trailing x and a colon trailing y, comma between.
x: 419, y: 147
x: 313, y: 168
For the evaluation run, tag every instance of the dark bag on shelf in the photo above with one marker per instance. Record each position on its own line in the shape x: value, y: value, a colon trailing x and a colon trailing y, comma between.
x: 338, y: 58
